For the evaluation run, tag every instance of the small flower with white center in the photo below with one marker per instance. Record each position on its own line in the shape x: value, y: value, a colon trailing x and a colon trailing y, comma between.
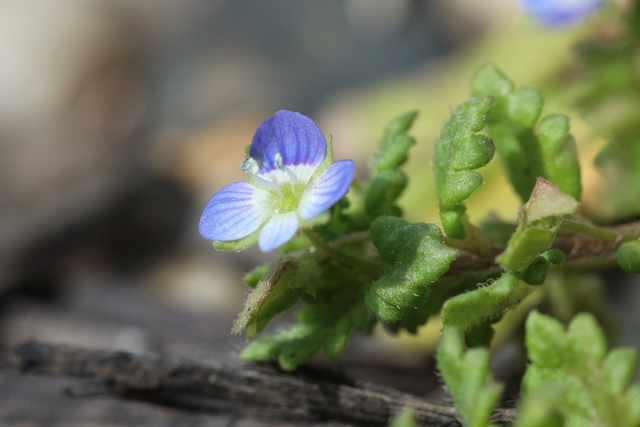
x: 560, y: 13
x: 292, y: 183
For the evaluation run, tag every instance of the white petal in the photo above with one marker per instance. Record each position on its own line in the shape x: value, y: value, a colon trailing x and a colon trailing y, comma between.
x: 278, y: 231
x: 327, y: 190
x: 234, y: 212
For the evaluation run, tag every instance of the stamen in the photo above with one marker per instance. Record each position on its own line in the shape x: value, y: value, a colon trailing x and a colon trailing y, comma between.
x: 280, y: 165
x: 251, y: 167
x: 292, y: 177
x: 278, y: 160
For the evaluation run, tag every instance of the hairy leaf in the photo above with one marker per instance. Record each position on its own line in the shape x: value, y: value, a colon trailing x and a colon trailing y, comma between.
x: 467, y: 375
x: 334, y: 307
x: 417, y: 258
x: 487, y: 303
x: 387, y: 181
x: 459, y: 151
x: 319, y: 326
x: 527, y: 151
x: 539, y: 221
x: 593, y: 387
x: 279, y: 288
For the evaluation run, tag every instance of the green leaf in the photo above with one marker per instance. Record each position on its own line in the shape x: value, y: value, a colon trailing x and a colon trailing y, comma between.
x: 528, y: 152
x: 539, y: 409
x: 319, y: 326
x: 619, y: 162
x: 300, y: 343
x: 628, y: 256
x: 253, y: 277
x: 559, y: 154
x: 334, y: 307
x: 406, y: 418
x: 536, y: 272
x: 487, y: 303
x: 592, y: 387
x: 417, y: 258
x: 279, y: 288
x: 392, y: 150
x: 383, y: 189
x: 439, y: 292
x: 468, y: 377
x: 387, y: 181
x: 459, y: 151
x: 539, y: 221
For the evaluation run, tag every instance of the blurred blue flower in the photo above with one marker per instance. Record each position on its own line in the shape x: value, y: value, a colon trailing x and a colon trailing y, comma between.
x: 291, y: 185
x: 559, y: 13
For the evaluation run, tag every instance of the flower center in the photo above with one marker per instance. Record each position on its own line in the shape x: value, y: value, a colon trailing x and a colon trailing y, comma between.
x: 286, y: 184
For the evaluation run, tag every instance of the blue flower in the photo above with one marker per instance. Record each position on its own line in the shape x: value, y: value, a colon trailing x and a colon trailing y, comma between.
x: 559, y: 13
x: 292, y: 184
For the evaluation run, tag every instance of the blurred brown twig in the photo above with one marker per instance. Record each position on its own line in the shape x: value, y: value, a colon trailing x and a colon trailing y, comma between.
x: 305, y: 394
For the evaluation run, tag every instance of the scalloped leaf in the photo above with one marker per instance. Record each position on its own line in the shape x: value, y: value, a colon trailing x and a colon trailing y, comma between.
x: 387, y: 182
x: 467, y: 375
x: 528, y: 152
x: 459, y: 151
x: 417, y: 258
x: 593, y: 387
x: 319, y: 326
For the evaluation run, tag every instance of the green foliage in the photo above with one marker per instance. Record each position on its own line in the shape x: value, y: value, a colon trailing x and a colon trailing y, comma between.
x: 325, y: 324
x: 539, y: 219
x: 279, y: 288
x: 467, y: 375
x: 387, y: 182
x: 612, y: 105
x: 487, y: 303
x: 528, y: 152
x: 459, y: 151
x: 364, y: 263
x: 498, y: 231
x: 252, y: 278
x: 589, y: 386
x: 406, y: 418
x: 536, y: 272
x: 628, y: 256
x: 416, y: 257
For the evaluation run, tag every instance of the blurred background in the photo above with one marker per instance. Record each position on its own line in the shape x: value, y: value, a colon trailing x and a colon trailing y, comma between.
x: 119, y: 119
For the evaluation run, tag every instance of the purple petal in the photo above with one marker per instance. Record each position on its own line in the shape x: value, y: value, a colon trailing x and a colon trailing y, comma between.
x: 327, y: 190
x: 234, y: 212
x: 292, y: 135
x: 557, y: 13
x: 278, y: 231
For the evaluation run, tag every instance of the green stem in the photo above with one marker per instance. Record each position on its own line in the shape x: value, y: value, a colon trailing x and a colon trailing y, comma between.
x: 592, y: 231
x: 341, y: 256
x: 624, y: 233
x: 351, y: 239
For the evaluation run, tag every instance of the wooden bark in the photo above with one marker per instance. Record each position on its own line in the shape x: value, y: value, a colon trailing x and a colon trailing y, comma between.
x: 306, y: 394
